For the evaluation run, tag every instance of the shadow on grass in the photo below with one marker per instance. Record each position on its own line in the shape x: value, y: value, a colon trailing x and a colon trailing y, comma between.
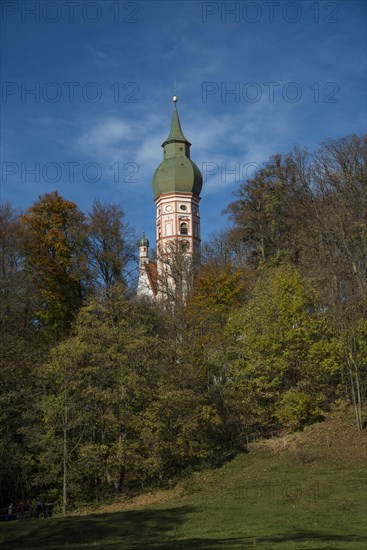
x: 150, y: 529
x: 329, y: 541
x: 308, y: 539
x: 130, y: 529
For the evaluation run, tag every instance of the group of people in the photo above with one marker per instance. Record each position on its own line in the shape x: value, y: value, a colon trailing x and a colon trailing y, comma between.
x: 24, y: 510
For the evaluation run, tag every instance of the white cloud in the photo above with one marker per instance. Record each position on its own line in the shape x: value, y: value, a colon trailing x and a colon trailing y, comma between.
x: 106, y: 136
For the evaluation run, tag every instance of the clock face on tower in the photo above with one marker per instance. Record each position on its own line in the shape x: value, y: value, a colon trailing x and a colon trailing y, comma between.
x: 195, y: 210
x: 168, y: 208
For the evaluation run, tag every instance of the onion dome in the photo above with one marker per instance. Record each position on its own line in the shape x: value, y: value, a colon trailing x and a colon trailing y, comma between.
x: 177, y: 172
x: 143, y: 241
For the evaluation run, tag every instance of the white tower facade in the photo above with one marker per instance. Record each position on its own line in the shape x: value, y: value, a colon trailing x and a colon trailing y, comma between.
x: 178, y: 219
x: 147, y: 271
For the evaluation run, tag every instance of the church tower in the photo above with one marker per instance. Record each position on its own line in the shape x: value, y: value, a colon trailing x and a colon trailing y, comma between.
x: 177, y: 184
x: 147, y: 282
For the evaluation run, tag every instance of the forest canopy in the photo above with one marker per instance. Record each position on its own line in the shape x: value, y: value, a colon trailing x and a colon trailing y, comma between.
x: 104, y: 393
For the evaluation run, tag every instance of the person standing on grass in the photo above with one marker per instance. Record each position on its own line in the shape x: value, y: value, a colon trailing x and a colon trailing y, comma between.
x: 10, y: 510
x: 39, y: 507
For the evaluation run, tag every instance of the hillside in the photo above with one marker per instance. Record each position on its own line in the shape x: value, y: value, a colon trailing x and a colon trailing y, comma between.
x: 304, y: 490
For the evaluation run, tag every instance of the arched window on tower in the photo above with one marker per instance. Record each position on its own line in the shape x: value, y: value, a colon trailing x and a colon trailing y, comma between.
x: 183, y: 228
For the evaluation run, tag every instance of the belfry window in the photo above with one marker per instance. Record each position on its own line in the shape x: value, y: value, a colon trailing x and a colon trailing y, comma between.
x: 183, y: 229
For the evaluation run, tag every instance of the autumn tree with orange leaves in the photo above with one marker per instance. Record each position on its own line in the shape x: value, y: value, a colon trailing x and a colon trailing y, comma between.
x: 55, y: 255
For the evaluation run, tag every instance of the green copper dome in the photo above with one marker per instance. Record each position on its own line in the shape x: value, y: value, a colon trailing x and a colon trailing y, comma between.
x: 143, y: 241
x: 177, y: 172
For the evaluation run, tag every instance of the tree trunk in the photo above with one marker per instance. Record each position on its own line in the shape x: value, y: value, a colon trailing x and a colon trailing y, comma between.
x: 65, y: 462
x: 64, y: 488
x: 356, y: 394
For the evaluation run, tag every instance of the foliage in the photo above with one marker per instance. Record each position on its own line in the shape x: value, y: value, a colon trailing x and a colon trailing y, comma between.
x: 283, y: 358
x: 110, y: 255
x: 54, y: 241
x: 113, y: 415
x: 216, y: 291
x: 278, y: 495
x: 102, y: 393
x: 267, y: 206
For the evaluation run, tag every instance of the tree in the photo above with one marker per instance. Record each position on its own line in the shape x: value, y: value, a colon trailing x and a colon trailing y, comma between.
x: 336, y: 258
x: 176, y: 272
x: 224, y: 248
x: 21, y: 352
x: 312, y: 210
x: 111, y: 256
x: 98, y: 383
x: 177, y: 430
x: 216, y: 291
x: 18, y: 297
x: 268, y: 207
x: 284, y: 360
x: 54, y: 242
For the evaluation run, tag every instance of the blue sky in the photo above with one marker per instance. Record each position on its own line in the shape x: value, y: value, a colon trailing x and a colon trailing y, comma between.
x: 102, y: 77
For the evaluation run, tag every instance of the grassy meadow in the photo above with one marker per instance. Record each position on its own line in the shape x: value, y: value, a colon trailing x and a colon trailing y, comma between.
x: 303, y: 491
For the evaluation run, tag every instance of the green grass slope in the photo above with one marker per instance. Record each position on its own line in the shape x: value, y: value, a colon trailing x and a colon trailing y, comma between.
x: 302, y: 491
